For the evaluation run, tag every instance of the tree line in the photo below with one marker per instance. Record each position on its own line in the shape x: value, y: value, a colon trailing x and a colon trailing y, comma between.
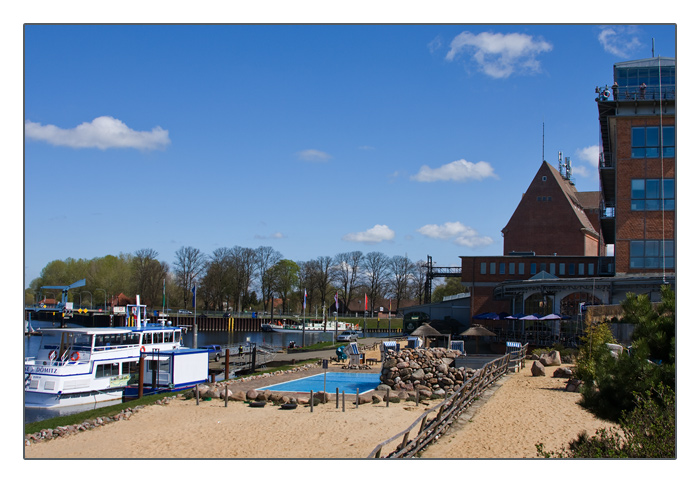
x: 240, y: 279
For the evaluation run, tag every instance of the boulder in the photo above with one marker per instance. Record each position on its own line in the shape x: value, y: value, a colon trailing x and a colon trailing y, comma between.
x: 572, y: 385
x: 251, y: 395
x: 563, y: 372
x: 537, y: 369
x: 552, y: 358
x: 238, y: 396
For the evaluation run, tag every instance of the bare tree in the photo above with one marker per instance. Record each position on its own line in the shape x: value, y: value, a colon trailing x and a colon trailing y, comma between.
x: 402, y: 272
x: 243, y: 260
x: 189, y: 264
x: 346, y: 272
x: 375, y: 268
x: 418, y: 285
x: 148, y: 275
x: 265, y: 259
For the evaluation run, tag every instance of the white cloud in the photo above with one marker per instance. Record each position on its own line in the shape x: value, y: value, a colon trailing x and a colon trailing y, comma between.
x: 620, y: 40
x: 103, y: 132
x: 313, y: 155
x: 277, y: 235
x: 459, y: 233
x: 376, y: 234
x: 459, y: 170
x: 589, y: 154
x: 500, y: 55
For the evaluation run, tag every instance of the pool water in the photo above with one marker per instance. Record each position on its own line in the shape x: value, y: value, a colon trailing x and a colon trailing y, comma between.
x: 343, y: 381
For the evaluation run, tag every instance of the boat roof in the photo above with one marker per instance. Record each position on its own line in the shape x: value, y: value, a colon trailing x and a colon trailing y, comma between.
x: 109, y: 330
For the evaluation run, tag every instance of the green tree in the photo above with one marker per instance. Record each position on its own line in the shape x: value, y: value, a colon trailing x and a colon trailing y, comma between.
x: 285, y: 278
x: 452, y: 286
x: 610, y: 383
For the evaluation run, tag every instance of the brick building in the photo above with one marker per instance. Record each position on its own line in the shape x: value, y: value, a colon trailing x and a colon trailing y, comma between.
x: 563, y: 248
x: 553, y: 218
x: 637, y: 166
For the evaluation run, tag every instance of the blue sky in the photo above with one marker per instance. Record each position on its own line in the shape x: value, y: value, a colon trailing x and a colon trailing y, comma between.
x: 313, y: 139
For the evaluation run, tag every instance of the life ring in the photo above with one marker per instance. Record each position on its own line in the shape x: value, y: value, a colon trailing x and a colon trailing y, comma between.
x: 606, y: 94
x: 142, y: 349
x: 52, y: 355
x: 75, y: 356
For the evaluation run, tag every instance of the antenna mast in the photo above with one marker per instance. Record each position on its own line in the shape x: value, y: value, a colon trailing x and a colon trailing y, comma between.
x: 543, y: 141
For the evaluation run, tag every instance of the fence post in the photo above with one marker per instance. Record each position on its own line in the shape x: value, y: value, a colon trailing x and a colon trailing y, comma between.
x: 387, y: 397
x: 336, y: 398
x: 311, y: 400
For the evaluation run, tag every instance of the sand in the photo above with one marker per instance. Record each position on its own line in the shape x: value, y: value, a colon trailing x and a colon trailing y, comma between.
x: 522, y: 411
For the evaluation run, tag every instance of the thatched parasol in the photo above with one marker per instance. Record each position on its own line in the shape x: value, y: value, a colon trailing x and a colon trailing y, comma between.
x: 426, y: 330
x: 477, y: 331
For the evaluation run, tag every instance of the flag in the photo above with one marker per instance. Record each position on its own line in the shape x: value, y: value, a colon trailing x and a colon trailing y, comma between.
x: 304, y: 299
x: 336, y: 302
x: 365, y: 302
x: 194, y: 296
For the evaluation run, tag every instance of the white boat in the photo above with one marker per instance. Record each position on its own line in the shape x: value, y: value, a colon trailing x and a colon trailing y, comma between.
x: 82, y: 365
x: 314, y: 326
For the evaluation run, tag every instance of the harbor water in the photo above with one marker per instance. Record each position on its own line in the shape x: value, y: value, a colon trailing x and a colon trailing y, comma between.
x: 278, y: 340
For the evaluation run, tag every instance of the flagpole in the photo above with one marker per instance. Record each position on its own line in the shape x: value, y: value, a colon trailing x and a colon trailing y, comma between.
x: 303, y: 323
x: 194, y: 306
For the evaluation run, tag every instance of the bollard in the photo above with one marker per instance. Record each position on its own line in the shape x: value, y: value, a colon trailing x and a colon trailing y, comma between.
x: 357, y: 398
x: 336, y: 398
x: 387, y: 397
x: 343, y: 401
x: 311, y: 400
x: 226, y: 396
x: 196, y: 393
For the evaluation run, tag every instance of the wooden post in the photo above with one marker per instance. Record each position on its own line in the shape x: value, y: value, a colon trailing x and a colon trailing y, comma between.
x: 311, y: 400
x: 343, y: 401
x: 387, y: 397
x: 357, y: 398
x: 417, y: 397
x: 336, y: 398
x: 196, y: 393
x: 228, y: 360
x: 142, y: 362
x: 226, y: 396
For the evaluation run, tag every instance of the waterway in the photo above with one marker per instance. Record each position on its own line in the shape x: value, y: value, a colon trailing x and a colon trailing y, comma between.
x: 275, y: 339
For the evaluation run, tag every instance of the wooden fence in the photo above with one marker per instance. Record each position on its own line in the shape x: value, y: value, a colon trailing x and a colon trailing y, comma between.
x: 444, y: 414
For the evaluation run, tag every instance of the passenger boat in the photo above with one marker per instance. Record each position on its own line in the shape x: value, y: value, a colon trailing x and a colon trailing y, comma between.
x: 313, y: 326
x: 81, y: 365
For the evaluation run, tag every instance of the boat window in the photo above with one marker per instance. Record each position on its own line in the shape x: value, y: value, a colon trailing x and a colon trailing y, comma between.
x: 107, y: 370
x: 147, y: 338
x: 158, y: 338
x: 168, y: 337
x: 132, y: 338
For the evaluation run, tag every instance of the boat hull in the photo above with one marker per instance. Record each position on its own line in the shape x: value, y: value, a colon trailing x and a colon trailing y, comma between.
x: 42, y: 400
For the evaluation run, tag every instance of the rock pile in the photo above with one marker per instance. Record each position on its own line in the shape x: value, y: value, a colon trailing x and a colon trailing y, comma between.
x: 429, y: 371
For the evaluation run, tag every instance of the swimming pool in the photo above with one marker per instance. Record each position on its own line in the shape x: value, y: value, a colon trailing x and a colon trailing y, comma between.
x: 344, y: 381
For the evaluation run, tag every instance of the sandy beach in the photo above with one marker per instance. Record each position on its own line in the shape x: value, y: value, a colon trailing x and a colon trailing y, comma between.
x: 520, y: 412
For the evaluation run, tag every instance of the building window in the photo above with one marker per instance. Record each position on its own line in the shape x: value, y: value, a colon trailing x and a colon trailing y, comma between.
x: 553, y: 268
x: 572, y: 269
x: 581, y: 269
x: 646, y: 142
x: 651, y: 253
x: 562, y: 269
x: 502, y: 268
x: 511, y: 268
x: 521, y: 268
x: 647, y: 194
x: 591, y: 269
x: 483, y: 268
x: 533, y: 269
x: 493, y: 268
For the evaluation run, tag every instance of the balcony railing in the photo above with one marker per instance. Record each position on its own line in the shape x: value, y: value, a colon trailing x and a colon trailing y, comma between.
x: 637, y: 93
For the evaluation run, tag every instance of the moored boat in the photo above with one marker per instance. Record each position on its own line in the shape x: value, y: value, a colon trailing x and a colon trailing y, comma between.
x: 313, y: 326
x: 81, y: 365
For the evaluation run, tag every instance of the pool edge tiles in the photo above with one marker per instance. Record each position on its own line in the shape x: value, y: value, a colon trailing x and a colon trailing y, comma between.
x: 367, y: 382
